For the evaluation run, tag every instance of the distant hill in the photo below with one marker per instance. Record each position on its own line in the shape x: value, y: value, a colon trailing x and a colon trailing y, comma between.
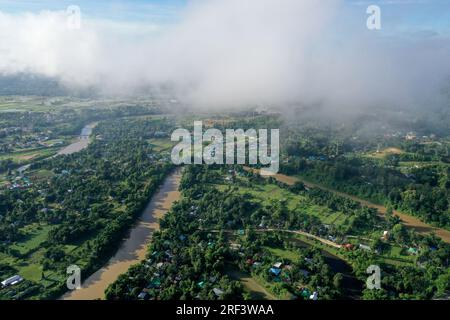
x: 31, y: 84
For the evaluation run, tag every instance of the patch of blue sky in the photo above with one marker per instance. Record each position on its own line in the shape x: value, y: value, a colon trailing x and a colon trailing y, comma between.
x: 409, y: 17
x: 425, y: 17
x: 135, y: 11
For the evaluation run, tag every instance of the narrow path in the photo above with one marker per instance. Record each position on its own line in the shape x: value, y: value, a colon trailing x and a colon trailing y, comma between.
x: 306, y: 234
x: 302, y: 233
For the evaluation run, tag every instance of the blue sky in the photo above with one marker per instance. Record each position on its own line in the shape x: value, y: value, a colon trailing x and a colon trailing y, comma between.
x: 152, y: 11
x: 410, y: 15
x: 399, y: 16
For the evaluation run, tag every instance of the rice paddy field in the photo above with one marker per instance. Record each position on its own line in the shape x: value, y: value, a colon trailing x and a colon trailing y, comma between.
x: 24, y: 157
x: 161, y: 144
x: 266, y: 193
x: 26, y: 255
x: 46, y: 104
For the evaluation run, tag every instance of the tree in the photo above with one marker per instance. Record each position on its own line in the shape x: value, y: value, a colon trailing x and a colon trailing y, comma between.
x: 399, y: 233
x: 337, y: 281
x: 375, y: 294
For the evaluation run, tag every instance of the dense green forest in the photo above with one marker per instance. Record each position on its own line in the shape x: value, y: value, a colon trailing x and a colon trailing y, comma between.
x: 411, y: 174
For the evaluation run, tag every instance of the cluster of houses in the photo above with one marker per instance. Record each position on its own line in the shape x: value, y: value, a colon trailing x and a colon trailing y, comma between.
x: 158, y: 157
x: 19, y: 183
x: 31, y: 141
x: 9, y: 130
x: 159, y: 275
x: 317, y: 158
x: 281, y: 272
x: 410, y: 136
x: 161, y: 134
x: 276, y: 270
x: 350, y: 247
x: 193, y: 211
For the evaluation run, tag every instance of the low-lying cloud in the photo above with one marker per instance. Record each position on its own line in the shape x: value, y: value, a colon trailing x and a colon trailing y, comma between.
x: 235, y: 53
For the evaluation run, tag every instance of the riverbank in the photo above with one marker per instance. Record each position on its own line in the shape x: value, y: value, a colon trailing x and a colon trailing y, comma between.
x: 134, y: 248
x: 82, y: 142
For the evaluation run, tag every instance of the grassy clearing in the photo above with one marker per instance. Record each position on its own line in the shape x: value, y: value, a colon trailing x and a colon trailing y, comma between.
x: 326, y: 215
x: 382, y: 154
x: 34, y: 236
x: 284, y: 253
x: 40, y: 175
x: 27, y: 256
x: 23, y: 157
x: 275, y: 289
x: 267, y: 193
x: 10, y: 104
x: 397, y: 256
x: 31, y: 272
x: 161, y: 144
x: 251, y: 285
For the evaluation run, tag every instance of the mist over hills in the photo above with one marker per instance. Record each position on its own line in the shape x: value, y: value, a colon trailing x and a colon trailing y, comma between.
x: 26, y: 84
x: 229, y: 54
x: 300, y: 59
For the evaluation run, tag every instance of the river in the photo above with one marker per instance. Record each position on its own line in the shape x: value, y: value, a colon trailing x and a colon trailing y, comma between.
x: 134, y: 248
x: 82, y: 141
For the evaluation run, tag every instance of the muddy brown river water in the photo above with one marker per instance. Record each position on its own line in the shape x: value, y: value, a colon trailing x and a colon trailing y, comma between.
x: 134, y: 248
x: 81, y: 143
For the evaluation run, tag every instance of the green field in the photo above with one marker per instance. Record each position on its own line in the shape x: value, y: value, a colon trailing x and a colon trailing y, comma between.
x: 39, y: 175
x: 160, y: 145
x: 24, y: 157
x: 284, y: 253
x: 34, y: 236
x: 267, y: 193
x: 27, y: 254
x: 29, y: 246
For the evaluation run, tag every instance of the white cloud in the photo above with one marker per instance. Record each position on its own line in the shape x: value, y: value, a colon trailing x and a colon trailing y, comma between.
x: 230, y: 53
